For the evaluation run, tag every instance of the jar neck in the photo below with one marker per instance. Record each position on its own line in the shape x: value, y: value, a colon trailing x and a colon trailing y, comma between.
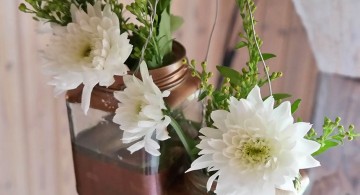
x: 175, y: 77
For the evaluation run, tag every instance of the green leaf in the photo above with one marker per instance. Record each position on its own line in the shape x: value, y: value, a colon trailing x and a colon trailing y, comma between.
x: 279, y: 96
x: 152, y: 64
x: 339, y: 138
x: 295, y: 106
x: 233, y: 75
x: 162, y: 5
x: 195, y: 151
x: 188, y: 143
x: 267, y: 56
x: 241, y: 45
x: 219, y: 98
x: 176, y: 22
x: 164, y: 36
x: 327, y: 145
x: 203, y: 95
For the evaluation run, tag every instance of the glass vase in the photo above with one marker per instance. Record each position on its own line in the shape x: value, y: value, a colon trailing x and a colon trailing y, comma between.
x: 103, y: 165
x: 194, y: 183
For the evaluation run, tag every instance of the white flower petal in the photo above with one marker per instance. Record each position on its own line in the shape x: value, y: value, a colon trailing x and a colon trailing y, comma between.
x: 144, y: 71
x: 307, y: 146
x: 165, y: 122
x: 200, y: 163
x: 162, y: 134
x: 152, y: 112
x: 288, y: 186
x: 269, y: 103
x: 217, y: 144
x: 140, y: 111
x: 300, y: 129
x: 151, y: 146
x: 90, y: 43
x: 283, y: 115
x: 107, y: 10
x: 265, y: 190
x: 254, y: 147
x: 147, y: 124
x: 137, y: 146
x: 211, y: 181
x: 219, y: 116
x: 129, y: 80
x: 211, y: 133
x: 254, y: 96
x: 220, y: 158
x: 308, y: 162
x: 129, y: 137
x: 161, y: 131
x: 166, y: 93
x: 90, y: 10
x: 86, y: 94
x: 205, y: 147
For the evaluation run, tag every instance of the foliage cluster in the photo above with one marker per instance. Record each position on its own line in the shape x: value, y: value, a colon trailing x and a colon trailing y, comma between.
x: 159, y: 50
x: 238, y: 84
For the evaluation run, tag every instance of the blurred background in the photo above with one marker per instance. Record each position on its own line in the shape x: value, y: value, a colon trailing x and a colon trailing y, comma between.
x: 317, y: 44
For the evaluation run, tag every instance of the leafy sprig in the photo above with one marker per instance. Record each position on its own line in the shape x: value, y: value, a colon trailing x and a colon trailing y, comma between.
x: 159, y: 49
x: 238, y: 84
x: 206, y: 89
x: 250, y: 39
x: 333, y: 135
x: 235, y: 83
x: 143, y: 11
x: 55, y: 11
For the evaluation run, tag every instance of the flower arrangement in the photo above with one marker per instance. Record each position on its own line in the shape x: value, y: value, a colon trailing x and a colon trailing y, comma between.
x: 93, y: 40
x: 247, y: 143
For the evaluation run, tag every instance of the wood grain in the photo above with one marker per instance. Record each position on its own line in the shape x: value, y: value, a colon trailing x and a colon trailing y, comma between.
x: 13, y: 136
x: 30, y: 138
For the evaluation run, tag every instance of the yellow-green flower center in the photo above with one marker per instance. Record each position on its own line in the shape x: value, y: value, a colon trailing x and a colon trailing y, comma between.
x: 254, y: 151
x: 138, y: 107
x: 87, y: 51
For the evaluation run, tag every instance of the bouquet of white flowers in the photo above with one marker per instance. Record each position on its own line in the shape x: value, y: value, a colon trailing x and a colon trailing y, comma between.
x: 132, y: 78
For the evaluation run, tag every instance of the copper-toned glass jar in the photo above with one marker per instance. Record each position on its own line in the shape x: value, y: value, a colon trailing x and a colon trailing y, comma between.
x: 103, y: 165
x: 194, y: 183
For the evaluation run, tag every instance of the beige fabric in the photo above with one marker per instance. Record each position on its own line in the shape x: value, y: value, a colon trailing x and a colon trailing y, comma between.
x: 333, y: 27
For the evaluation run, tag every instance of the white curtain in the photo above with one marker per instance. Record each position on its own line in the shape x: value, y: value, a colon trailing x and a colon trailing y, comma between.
x: 333, y: 27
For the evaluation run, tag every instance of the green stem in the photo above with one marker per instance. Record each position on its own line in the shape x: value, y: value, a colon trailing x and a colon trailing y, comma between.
x: 157, y: 51
x: 188, y: 143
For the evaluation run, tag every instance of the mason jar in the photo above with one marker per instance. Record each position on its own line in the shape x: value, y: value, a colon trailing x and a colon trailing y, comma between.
x: 103, y: 165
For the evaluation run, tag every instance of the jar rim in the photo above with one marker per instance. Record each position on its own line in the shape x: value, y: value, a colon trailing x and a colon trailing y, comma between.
x: 175, y: 77
x: 162, y: 76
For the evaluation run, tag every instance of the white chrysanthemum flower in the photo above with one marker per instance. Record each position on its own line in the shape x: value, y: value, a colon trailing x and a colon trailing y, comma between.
x: 88, y: 51
x: 140, y: 113
x: 254, y: 147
